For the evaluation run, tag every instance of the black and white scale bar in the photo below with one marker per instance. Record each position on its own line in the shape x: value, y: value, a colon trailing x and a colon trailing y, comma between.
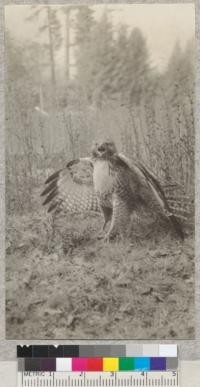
x: 98, y: 379
x: 113, y: 350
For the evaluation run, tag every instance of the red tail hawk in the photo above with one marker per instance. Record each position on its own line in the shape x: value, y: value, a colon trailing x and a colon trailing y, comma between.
x: 118, y: 188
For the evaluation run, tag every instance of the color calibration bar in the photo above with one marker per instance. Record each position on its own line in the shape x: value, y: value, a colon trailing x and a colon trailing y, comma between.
x: 95, y: 364
x: 88, y: 351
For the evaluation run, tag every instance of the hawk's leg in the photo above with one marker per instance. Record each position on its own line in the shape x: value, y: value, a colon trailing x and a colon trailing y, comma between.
x: 121, y: 217
x: 107, y: 213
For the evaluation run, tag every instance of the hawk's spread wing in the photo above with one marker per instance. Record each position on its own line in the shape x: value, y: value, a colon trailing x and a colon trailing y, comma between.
x: 145, y: 190
x: 171, y: 197
x: 72, y: 188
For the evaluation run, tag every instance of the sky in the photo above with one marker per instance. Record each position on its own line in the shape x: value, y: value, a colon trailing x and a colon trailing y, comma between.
x: 162, y: 25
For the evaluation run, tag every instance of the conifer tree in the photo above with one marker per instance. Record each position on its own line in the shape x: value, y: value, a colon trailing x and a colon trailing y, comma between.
x: 96, y: 56
x: 138, y: 67
x: 52, y: 28
x: 83, y: 40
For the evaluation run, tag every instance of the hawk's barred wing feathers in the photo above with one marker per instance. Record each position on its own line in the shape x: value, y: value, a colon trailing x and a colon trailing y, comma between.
x: 74, y: 192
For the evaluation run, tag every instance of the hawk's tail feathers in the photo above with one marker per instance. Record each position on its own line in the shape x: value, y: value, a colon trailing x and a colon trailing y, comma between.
x: 177, y: 206
x: 182, y: 206
x: 168, y: 211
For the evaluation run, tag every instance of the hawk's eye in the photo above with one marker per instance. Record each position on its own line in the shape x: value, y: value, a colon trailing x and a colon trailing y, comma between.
x: 101, y: 148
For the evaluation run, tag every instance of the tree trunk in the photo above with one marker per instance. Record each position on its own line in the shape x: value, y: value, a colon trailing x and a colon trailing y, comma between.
x: 51, y: 49
x: 68, y: 44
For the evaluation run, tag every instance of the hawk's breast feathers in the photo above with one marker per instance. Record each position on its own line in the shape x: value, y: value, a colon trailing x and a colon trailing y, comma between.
x: 104, y: 181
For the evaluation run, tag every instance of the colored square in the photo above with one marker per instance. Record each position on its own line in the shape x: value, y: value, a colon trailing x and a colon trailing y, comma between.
x: 32, y: 364
x: 86, y: 351
x: 171, y: 363
x: 141, y: 363
x: 48, y: 364
x: 70, y: 351
x: 126, y: 364
x: 168, y: 350
x: 24, y: 351
x: 40, y: 350
x: 95, y: 364
x: 110, y: 364
x: 55, y: 351
x: 133, y: 350
x: 64, y: 364
x: 150, y: 350
x: 158, y: 364
x: 21, y: 365
x: 118, y: 351
x: 79, y: 364
x: 102, y: 351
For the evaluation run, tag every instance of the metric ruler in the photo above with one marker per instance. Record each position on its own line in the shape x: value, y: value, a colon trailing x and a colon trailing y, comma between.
x: 98, y: 379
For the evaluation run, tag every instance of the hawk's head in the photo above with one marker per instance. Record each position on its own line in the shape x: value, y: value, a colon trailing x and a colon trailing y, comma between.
x: 103, y: 149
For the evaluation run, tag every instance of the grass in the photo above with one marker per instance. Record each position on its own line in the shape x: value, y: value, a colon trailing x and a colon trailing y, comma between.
x: 62, y: 282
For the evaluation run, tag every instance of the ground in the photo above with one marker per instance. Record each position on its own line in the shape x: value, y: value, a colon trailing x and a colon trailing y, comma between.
x: 64, y: 283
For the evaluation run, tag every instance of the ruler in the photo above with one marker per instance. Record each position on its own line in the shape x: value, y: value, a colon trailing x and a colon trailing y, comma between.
x: 98, y: 379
